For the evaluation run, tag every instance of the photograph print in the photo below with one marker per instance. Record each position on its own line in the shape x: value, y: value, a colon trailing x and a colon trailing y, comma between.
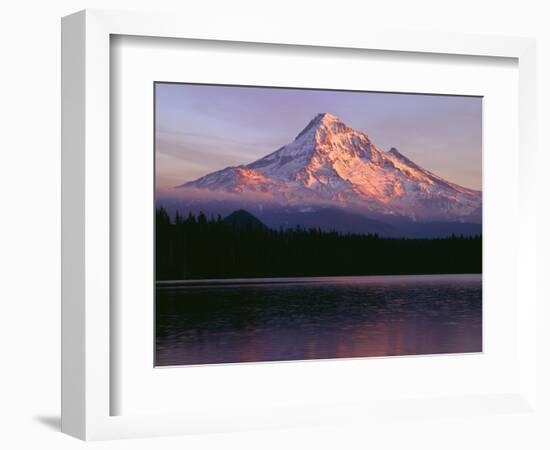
x: 305, y: 224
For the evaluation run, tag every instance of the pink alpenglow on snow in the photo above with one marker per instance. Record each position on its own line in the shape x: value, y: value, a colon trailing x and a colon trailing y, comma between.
x: 329, y: 163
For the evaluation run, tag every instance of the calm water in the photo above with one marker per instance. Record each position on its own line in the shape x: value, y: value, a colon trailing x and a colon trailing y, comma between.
x: 341, y: 317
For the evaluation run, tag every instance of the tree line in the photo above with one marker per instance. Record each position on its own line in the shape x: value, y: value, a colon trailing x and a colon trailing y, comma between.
x: 197, y: 247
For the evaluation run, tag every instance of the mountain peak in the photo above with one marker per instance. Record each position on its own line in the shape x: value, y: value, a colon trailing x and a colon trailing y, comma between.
x: 324, y: 120
x: 400, y: 156
x: 330, y: 121
x: 397, y: 154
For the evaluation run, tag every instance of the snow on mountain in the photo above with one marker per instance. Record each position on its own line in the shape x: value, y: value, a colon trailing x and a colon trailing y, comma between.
x: 329, y: 163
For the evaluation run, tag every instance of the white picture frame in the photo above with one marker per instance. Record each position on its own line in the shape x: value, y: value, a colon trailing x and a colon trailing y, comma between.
x: 86, y: 247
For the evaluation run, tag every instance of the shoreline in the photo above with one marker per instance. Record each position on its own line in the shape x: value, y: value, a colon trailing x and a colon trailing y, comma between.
x: 221, y: 282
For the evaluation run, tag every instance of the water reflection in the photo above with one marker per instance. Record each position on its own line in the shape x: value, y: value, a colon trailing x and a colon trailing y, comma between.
x: 342, y: 317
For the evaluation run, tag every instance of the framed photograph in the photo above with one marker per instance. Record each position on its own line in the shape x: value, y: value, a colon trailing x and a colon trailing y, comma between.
x: 328, y: 246
x: 263, y: 228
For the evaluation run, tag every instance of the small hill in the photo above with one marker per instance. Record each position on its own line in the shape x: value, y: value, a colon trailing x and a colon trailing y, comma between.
x: 243, y: 219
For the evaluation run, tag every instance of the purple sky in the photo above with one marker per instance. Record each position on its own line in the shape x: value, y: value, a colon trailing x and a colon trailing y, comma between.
x: 200, y: 128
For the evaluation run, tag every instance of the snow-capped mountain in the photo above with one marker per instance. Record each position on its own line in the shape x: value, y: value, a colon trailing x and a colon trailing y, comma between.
x: 331, y: 164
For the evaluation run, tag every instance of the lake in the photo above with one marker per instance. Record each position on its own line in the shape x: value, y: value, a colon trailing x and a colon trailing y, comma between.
x: 229, y: 321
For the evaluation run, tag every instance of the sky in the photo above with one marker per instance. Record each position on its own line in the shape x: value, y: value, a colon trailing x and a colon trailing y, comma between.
x: 203, y: 128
